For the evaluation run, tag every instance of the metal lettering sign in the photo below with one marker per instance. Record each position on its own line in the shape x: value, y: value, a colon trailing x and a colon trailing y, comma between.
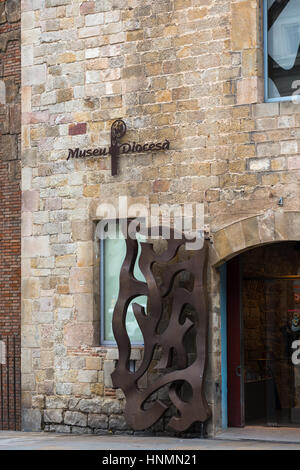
x: 118, y: 130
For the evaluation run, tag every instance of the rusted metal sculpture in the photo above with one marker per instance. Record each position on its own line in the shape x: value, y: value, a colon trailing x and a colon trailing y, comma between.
x: 195, y: 408
x: 118, y: 130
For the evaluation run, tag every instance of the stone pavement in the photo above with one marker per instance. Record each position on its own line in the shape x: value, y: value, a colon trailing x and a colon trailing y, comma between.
x: 10, y: 440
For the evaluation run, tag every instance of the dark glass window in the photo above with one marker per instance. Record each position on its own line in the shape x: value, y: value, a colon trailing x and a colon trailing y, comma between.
x: 282, y: 40
x: 112, y: 253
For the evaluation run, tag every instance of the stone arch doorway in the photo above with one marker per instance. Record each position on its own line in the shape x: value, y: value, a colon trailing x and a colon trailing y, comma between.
x: 243, y: 235
x: 262, y: 261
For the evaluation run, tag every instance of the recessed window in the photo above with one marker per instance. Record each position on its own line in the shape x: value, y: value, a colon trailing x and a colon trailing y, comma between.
x: 112, y: 255
x: 282, y: 49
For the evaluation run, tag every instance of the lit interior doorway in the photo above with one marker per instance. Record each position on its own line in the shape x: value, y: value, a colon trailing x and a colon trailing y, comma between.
x: 263, y: 330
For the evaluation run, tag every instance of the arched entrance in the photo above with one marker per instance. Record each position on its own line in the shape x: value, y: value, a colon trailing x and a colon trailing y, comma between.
x: 262, y: 319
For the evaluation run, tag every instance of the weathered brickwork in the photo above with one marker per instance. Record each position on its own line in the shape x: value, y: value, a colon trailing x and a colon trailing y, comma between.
x: 189, y: 71
x: 10, y: 202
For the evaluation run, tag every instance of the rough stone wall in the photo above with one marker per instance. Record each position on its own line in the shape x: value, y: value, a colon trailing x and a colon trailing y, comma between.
x: 189, y: 71
x: 256, y: 144
x: 10, y: 200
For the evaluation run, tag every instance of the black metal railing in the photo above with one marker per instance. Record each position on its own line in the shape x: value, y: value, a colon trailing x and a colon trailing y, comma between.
x: 10, y: 382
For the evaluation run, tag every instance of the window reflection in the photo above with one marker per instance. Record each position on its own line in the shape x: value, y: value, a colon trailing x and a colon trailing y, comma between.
x: 283, y: 47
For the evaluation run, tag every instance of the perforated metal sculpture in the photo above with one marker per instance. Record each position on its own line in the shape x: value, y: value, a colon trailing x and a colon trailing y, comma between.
x: 195, y: 408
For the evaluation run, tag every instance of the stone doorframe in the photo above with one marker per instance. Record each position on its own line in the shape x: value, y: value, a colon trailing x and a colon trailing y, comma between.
x: 270, y: 227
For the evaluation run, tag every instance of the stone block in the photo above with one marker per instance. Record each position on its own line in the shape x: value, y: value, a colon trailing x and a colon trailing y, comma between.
x: 82, y: 389
x: 93, y: 76
x: 2, y: 13
x: 250, y: 230
x: 84, y: 307
x: 266, y: 226
x: 46, y: 359
x: 266, y: 109
x: 244, y: 25
x: 247, y: 91
x: 88, y: 31
x: 98, y: 421
x: 53, y: 416
x: 63, y: 389
x: 97, y: 389
x: 36, y: 246
x: 88, y: 376
x: 286, y: 122
x: 110, y: 406
x: 66, y: 58
x: 81, y: 280
x: 30, y: 201
x: 60, y: 428
x: 26, y: 360
x: 108, y: 368
x: 222, y: 245
x: 85, y: 254
x: 15, y: 119
x: 79, y: 334
x: 294, y: 163
x: 46, y: 304
x: 93, y: 405
x: 26, y: 224
x: 27, y: 19
x: 91, y: 190
x: 117, y: 423
x: 30, y: 336
x: 26, y: 399
x: 26, y: 179
x: 30, y: 288
x: 94, y: 19
x: 57, y: 3
x: 112, y: 354
x: 82, y: 230
x: 87, y: 8
x: 64, y: 95
x: 2, y: 92
x: 289, y: 107
x: 65, y: 261
x: 64, y: 301
x: 57, y: 402
x: 271, y: 149
x: 81, y: 430
x: 38, y: 401
x: 77, y: 129
x: 93, y: 363
x: 13, y: 11
x: 289, y: 147
x: 259, y: 164
x: 31, y: 420
x: 92, y: 53
x: 36, y: 117
x: 9, y: 148
x: 12, y: 91
x: 75, y: 418
x: 34, y: 75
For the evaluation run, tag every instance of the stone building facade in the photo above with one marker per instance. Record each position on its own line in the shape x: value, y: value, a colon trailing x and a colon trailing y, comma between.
x: 189, y: 71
